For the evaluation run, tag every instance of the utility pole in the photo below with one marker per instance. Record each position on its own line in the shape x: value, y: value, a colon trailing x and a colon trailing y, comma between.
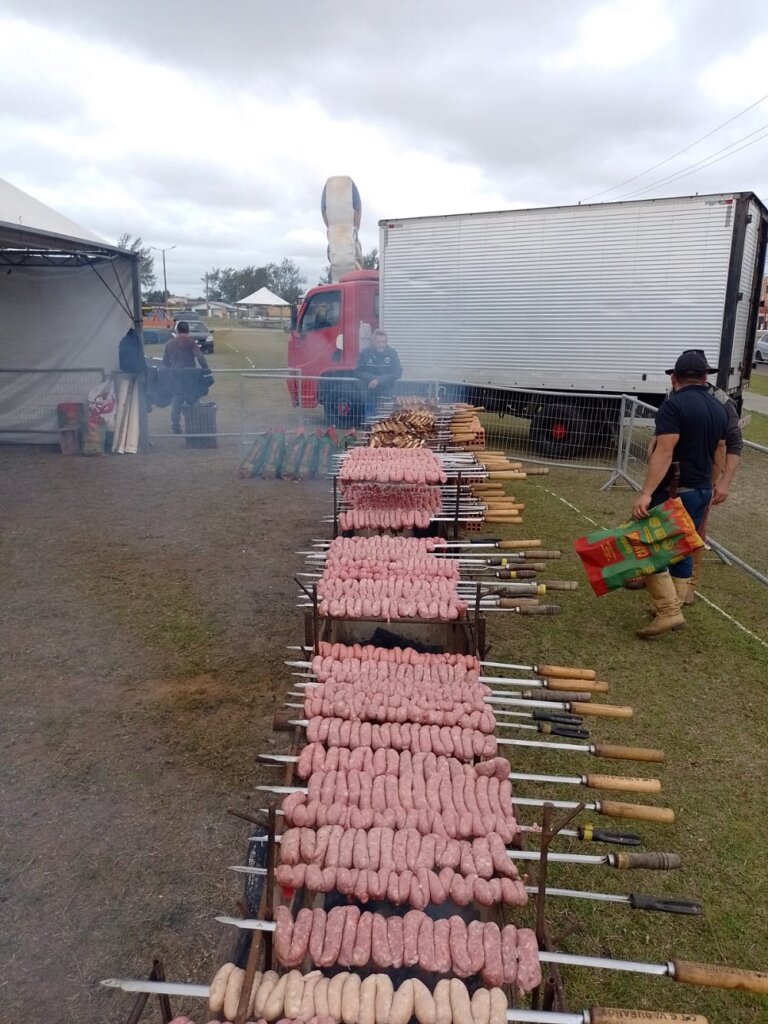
x: 207, y: 300
x: 157, y: 248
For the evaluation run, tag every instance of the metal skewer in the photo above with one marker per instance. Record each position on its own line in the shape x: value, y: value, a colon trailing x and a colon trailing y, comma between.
x: 608, y: 751
x: 549, y: 671
x: 617, y: 782
x: 707, y: 975
x: 587, y: 685
x: 607, y: 808
x: 595, y: 1015
x: 633, y: 901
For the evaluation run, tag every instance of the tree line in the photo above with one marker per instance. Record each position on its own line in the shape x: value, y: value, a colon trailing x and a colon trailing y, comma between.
x: 230, y: 285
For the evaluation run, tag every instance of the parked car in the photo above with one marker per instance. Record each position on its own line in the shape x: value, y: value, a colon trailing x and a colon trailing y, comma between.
x: 185, y: 314
x: 761, y: 349
x: 201, y: 334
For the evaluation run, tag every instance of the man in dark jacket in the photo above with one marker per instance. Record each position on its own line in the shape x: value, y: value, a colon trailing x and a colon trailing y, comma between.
x: 378, y: 367
x: 180, y: 355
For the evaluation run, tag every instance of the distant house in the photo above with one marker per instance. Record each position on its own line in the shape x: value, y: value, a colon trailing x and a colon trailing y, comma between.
x: 222, y: 310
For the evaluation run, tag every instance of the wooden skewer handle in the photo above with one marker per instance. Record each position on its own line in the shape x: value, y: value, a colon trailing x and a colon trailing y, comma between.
x: 496, y: 517
x: 609, y: 1015
x: 713, y: 976
x: 542, y: 609
x: 562, y: 672
x: 555, y: 695
x: 639, y: 812
x: 578, y: 685
x: 615, y: 753
x: 561, y: 585
x: 602, y: 710
x: 518, y: 545
x: 505, y: 474
x: 647, y: 861
x: 624, y: 783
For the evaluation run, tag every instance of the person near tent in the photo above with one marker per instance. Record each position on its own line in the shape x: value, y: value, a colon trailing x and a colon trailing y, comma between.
x: 378, y: 368
x: 181, y: 354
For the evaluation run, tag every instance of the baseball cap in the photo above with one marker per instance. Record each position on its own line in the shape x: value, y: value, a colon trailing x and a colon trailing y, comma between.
x: 692, y: 360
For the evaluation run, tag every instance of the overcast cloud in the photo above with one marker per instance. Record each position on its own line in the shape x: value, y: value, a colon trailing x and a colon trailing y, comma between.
x: 213, y: 127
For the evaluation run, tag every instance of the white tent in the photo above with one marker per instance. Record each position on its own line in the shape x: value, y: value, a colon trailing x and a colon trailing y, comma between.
x: 263, y: 297
x: 67, y: 297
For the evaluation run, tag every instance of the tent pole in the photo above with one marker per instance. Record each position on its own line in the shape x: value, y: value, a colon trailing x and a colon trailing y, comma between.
x: 138, y: 324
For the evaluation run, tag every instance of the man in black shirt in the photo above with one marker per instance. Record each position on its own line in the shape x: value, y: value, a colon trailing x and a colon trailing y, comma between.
x: 690, y: 427
x: 378, y: 367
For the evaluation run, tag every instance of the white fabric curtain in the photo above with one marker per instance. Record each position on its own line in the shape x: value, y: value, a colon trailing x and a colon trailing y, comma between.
x: 62, y: 325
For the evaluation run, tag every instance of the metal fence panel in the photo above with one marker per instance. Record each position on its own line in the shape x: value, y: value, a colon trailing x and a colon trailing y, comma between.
x: 552, y: 427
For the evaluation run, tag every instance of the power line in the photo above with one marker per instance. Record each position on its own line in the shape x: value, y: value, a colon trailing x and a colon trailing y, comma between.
x: 712, y: 158
x: 680, y: 152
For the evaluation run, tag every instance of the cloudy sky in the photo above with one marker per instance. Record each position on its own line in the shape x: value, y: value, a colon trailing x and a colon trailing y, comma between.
x: 213, y: 126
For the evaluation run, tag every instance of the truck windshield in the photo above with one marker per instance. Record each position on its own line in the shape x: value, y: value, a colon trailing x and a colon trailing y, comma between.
x: 323, y: 310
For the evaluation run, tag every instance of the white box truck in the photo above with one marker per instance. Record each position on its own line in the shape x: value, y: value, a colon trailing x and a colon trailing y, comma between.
x: 594, y: 298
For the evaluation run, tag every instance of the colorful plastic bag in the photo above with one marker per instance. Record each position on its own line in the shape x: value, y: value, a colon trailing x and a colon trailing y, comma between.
x: 639, y: 548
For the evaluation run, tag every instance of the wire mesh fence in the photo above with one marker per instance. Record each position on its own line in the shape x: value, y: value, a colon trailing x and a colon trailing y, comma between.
x: 576, y: 429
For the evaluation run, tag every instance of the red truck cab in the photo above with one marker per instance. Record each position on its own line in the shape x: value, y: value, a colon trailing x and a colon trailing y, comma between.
x: 334, y: 322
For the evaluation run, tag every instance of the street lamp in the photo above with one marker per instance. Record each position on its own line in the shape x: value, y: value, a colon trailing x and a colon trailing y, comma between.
x: 165, y: 279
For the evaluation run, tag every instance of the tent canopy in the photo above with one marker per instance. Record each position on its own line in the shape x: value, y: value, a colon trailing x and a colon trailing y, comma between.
x: 263, y: 297
x: 67, y: 297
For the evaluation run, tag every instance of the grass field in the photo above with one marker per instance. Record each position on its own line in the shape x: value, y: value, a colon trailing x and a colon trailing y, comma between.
x: 701, y: 696
x: 758, y: 382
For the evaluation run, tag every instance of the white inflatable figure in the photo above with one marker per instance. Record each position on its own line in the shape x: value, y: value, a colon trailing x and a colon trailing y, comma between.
x: 342, y: 210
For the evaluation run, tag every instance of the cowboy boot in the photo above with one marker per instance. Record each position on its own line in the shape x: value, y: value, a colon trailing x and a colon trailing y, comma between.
x: 665, y: 599
x: 693, y: 582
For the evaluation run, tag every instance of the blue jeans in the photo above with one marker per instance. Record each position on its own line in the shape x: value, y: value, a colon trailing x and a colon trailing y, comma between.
x: 695, y: 502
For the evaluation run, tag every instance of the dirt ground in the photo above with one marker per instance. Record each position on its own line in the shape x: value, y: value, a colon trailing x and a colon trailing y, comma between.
x: 147, y: 605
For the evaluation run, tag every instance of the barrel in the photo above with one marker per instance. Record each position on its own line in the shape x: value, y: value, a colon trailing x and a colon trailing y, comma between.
x: 200, y: 419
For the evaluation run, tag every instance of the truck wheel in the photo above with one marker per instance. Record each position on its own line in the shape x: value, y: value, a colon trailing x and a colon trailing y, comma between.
x: 342, y: 413
x: 557, y: 431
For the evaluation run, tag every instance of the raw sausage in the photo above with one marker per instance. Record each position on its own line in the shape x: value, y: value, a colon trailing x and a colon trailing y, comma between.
x: 268, y: 982
x: 423, y: 1003
x: 401, y: 1010
x: 294, y: 992
x: 498, y: 1008
x: 443, y: 1013
x: 218, y: 988
x: 350, y: 999
x: 384, y: 995
x: 368, y: 1000
x: 481, y: 1006
x: 232, y: 995
x: 460, y: 1005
